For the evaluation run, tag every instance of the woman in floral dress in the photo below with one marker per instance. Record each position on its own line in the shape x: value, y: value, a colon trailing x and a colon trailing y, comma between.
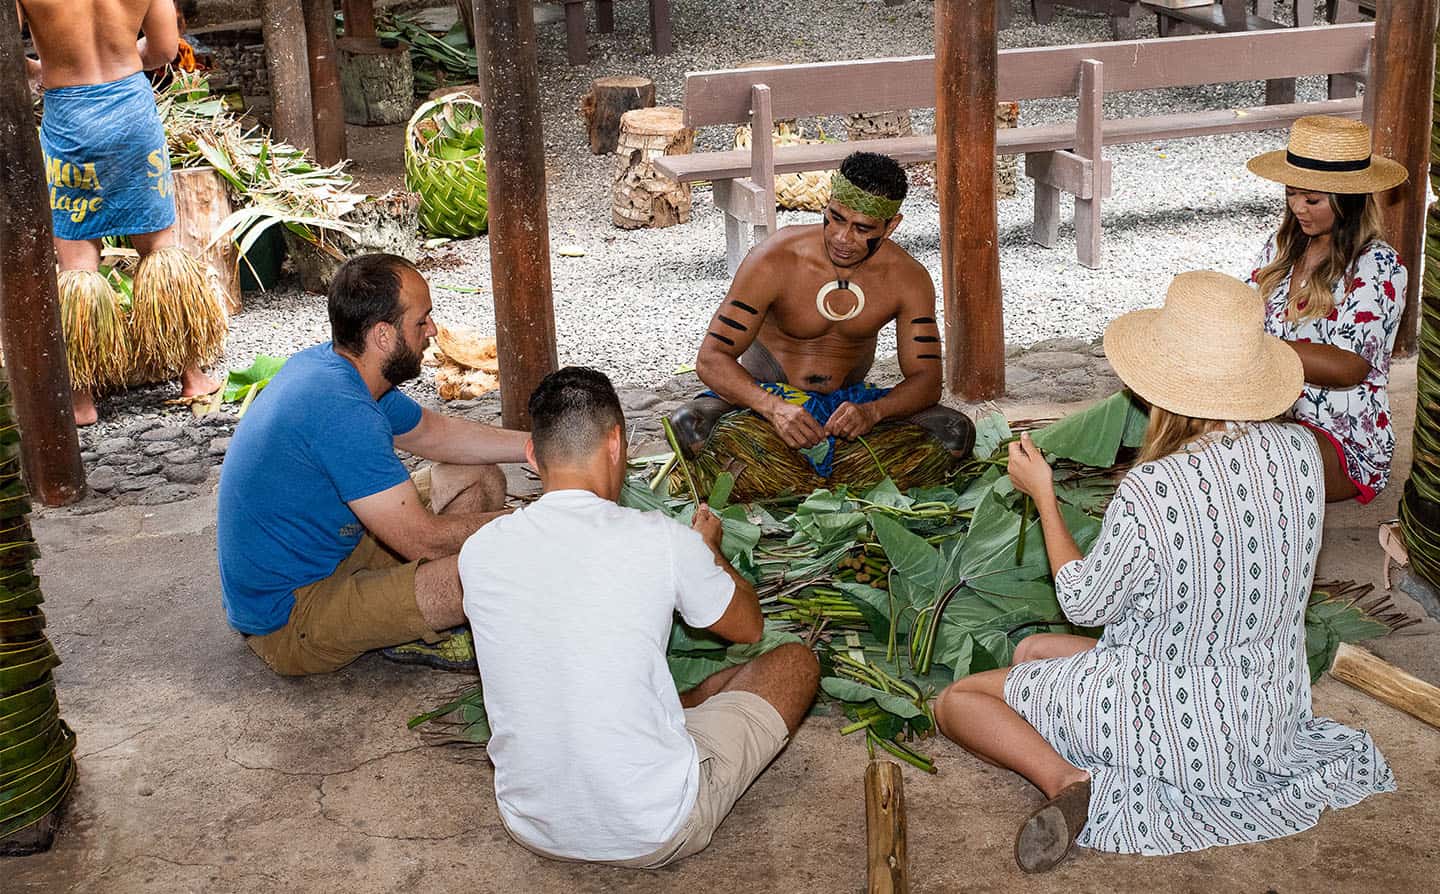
x: 1188, y: 724
x: 1334, y: 290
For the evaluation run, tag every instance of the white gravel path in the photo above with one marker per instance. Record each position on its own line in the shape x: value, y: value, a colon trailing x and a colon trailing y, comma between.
x: 636, y: 304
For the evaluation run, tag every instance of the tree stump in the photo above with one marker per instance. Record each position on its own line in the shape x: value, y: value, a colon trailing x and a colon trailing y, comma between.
x: 643, y: 197
x: 608, y: 99
x: 878, y: 125
x: 376, y: 81
x: 388, y: 223
x: 1007, y: 167
x: 201, y: 203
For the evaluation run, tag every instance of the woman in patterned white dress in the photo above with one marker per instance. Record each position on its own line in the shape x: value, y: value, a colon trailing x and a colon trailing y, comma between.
x: 1188, y: 724
x: 1335, y: 290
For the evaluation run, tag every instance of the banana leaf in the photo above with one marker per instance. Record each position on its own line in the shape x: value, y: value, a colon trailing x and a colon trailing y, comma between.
x: 239, y: 383
x: 1093, y: 437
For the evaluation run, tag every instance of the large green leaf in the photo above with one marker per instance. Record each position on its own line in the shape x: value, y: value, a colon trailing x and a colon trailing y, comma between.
x: 912, y: 558
x: 882, y: 608
x: 991, y: 430
x: 847, y: 690
x: 1093, y: 437
x: 239, y: 383
x: 887, y: 494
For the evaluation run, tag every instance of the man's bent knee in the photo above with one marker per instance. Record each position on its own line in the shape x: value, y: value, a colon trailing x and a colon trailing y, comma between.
x: 802, y: 664
x: 694, y: 420
x: 952, y: 428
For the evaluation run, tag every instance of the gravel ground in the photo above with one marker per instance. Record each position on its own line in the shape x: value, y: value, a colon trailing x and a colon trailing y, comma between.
x: 636, y: 304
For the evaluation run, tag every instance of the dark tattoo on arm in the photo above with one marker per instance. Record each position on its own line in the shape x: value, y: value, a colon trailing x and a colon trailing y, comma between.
x: 720, y: 338
x: 923, y: 321
x: 927, y: 339
x: 748, y: 309
x: 729, y: 322
x: 816, y: 380
x: 927, y: 357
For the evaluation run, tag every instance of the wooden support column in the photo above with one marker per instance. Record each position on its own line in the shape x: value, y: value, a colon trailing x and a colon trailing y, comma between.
x: 359, y: 18
x: 965, y: 70
x: 283, y: 24
x: 29, y: 300
x: 1402, y: 74
x: 327, y: 106
x: 519, y: 221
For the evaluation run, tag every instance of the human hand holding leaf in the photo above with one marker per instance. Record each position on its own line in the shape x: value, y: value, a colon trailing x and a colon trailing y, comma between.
x: 1029, y: 471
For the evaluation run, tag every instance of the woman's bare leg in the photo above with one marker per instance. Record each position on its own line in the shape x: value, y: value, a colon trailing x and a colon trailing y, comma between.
x: 972, y: 713
x: 1039, y: 646
x: 1338, y: 485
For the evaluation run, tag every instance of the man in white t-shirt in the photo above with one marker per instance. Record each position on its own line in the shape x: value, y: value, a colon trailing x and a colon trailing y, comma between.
x: 571, y: 600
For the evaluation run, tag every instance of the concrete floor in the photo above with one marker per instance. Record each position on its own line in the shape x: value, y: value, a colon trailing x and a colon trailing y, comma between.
x: 202, y: 771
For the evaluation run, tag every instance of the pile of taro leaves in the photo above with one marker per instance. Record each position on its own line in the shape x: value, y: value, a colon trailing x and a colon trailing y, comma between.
x: 900, y: 594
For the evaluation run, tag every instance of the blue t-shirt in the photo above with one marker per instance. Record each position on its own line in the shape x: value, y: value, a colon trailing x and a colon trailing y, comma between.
x: 310, y: 443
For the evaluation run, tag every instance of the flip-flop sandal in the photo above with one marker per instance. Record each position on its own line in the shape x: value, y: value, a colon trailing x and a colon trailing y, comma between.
x: 1046, y: 836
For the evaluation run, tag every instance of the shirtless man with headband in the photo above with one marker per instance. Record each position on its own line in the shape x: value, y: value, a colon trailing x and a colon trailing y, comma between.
x: 795, y: 335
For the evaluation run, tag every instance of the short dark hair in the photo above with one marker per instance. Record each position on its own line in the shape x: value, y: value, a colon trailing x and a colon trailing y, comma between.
x: 365, y: 291
x: 876, y: 173
x: 571, y: 412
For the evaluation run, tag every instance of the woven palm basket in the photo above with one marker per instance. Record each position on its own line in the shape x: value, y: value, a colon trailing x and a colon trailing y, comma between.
x: 445, y: 165
x: 764, y: 467
x: 805, y: 191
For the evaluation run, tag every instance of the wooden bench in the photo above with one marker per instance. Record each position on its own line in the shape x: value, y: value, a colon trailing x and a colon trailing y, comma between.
x: 575, y: 48
x: 1065, y: 157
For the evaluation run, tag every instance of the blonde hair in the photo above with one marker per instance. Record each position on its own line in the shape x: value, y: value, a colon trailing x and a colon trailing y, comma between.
x: 1169, y: 432
x: 1357, y: 226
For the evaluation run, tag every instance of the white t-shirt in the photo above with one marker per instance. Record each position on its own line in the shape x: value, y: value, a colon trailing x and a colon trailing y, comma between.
x: 571, y: 600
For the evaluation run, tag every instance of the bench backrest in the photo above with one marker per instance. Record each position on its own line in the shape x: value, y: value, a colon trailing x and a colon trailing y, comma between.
x: 871, y: 85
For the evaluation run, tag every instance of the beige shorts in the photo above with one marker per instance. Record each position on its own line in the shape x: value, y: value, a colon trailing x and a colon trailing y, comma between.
x: 367, y: 603
x: 737, y: 735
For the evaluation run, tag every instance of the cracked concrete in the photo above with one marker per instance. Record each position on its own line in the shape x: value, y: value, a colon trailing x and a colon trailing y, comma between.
x: 202, y: 771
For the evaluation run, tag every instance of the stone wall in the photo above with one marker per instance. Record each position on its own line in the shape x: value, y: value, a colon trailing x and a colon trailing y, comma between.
x: 239, y: 55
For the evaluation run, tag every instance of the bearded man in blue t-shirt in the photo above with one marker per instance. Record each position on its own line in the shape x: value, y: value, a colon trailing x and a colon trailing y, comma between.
x: 327, y: 547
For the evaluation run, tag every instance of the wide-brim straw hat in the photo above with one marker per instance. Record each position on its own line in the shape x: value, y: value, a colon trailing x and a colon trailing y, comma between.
x: 1205, y: 353
x: 1328, y: 154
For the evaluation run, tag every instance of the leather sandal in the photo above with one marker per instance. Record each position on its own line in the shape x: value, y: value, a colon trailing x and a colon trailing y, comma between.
x: 1045, y: 838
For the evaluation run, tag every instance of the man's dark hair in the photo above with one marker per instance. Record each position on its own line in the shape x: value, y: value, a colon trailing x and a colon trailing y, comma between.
x: 571, y: 412
x: 365, y: 291
x: 876, y: 173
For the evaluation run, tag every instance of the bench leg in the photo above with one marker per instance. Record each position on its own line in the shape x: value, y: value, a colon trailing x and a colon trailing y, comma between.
x: 1087, y: 232
x: 1123, y: 27
x: 604, y: 16
x: 1045, y: 229
x: 1043, y: 11
x: 575, y: 33
x: 660, y: 27
x: 1002, y: 14
x: 737, y: 241
x: 1279, y: 91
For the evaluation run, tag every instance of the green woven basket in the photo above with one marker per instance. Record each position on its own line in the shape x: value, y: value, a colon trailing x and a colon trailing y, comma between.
x: 445, y: 165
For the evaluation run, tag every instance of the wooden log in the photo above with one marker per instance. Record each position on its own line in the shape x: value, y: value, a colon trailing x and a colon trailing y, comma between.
x: 376, y: 82
x: 878, y: 125
x: 1007, y: 167
x: 327, y: 107
x: 608, y: 99
x: 886, y: 869
x: 1401, y: 82
x: 1385, y: 682
x: 643, y: 197
x: 201, y: 203
x: 388, y: 224
x: 519, y: 220
x: 33, y: 342
x: 965, y: 70
x: 359, y: 18
x: 283, y: 25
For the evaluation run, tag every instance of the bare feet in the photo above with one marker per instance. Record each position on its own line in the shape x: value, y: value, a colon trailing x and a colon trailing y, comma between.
x: 83, y: 402
x: 194, y: 382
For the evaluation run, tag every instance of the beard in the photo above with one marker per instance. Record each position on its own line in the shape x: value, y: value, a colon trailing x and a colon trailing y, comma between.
x: 402, y: 365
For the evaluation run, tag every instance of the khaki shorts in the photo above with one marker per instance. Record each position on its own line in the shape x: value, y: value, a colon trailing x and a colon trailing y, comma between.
x: 737, y: 735
x: 368, y: 603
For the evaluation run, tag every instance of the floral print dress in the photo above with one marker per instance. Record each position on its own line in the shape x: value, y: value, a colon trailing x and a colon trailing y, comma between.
x: 1366, y: 317
x: 1192, y: 713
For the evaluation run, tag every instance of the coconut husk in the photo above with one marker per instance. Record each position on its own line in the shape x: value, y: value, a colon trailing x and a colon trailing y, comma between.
x: 466, y: 364
x: 94, y: 325
x: 764, y: 467
x: 177, y: 320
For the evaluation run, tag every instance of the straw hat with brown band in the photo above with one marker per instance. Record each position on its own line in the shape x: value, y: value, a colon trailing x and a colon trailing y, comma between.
x: 1329, y: 155
x: 1205, y: 353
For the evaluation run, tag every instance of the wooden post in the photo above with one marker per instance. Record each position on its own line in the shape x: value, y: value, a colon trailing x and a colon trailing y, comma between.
x: 327, y: 108
x: 1387, y: 683
x: 519, y: 222
x: 1402, y: 79
x: 359, y: 18
x: 886, y: 870
x: 33, y: 342
x: 965, y: 70
x: 283, y: 24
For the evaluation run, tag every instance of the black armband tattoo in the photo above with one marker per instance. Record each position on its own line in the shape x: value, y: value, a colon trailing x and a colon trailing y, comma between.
x: 743, y: 306
x: 928, y: 357
x: 720, y: 338
x: 921, y: 321
x: 927, y: 339
x: 729, y: 322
